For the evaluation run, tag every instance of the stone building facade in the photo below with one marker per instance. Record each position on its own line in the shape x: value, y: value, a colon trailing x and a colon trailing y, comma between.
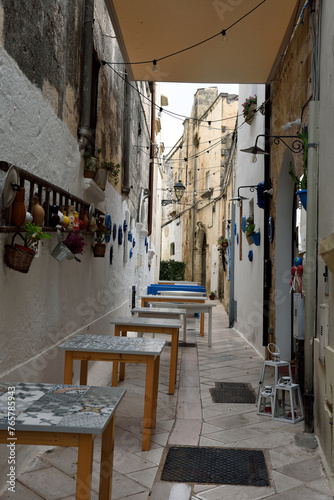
x: 203, y: 160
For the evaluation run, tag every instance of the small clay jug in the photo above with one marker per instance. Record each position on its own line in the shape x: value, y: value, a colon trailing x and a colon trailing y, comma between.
x: 19, y: 209
x: 37, y: 212
x: 84, y: 219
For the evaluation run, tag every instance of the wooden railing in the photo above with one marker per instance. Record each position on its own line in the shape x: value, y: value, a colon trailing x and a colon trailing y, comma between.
x: 48, y: 194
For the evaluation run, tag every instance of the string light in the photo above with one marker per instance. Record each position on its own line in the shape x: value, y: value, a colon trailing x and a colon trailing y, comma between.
x: 224, y: 36
x: 220, y: 33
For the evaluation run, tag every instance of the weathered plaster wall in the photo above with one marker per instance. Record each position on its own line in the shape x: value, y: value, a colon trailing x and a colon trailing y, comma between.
x: 40, y: 103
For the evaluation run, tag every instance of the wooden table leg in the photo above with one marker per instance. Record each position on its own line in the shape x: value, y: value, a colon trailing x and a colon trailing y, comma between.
x: 106, y: 465
x: 114, y: 378
x: 68, y: 368
x: 83, y: 371
x: 155, y: 390
x: 122, y: 365
x: 210, y: 328
x: 149, y: 403
x: 173, y: 363
x: 85, y: 464
x: 184, y: 328
x: 202, y: 324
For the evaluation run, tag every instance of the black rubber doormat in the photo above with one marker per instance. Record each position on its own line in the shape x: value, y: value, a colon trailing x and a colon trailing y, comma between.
x: 188, y: 464
x: 182, y: 344
x: 233, y: 392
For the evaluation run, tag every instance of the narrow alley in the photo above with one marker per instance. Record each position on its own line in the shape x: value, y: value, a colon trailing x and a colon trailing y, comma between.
x: 189, y: 418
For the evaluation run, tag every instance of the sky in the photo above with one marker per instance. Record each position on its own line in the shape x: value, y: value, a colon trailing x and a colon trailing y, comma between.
x: 180, y: 100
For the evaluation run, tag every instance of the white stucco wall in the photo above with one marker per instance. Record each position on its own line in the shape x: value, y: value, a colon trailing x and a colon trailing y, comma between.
x: 248, y: 290
x: 55, y: 300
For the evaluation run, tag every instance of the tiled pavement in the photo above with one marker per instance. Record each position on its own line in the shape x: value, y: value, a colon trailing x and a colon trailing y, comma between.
x: 188, y: 418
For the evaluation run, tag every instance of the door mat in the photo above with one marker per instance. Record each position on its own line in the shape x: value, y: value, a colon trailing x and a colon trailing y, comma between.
x: 182, y: 344
x: 190, y: 464
x: 233, y: 392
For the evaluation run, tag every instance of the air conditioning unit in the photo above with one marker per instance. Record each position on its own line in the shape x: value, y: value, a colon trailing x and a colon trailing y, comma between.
x: 323, y: 331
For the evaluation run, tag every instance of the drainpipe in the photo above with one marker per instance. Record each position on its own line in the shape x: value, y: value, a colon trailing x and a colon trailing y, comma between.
x: 127, y: 138
x: 85, y: 133
x: 266, y: 249
x: 311, y: 267
x: 151, y: 180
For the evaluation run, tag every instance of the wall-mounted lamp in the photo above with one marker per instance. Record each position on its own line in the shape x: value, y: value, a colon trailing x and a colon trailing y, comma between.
x: 240, y: 198
x: 179, y: 191
x: 296, y: 147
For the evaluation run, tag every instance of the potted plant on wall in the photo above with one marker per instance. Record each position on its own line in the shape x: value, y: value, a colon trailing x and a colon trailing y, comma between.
x: 222, y: 242
x: 101, y: 169
x: 75, y: 242
x: 19, y: 257
x: 249, y: 107
x: 101, y: 232
x: 301, y: 183
x: 212, y: 295
x: 249, y: 229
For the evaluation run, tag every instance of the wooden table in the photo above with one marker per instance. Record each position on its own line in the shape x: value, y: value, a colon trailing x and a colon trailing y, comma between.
x: 169, y: 313
x: 145, y: 299
x: 119, y: 350
x: 190, y: 308
x: 63, y: 415
x: 152, y: 325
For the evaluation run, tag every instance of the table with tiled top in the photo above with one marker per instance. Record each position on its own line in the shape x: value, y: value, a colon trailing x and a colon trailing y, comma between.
x: 152, y: 325
x: 170, y: 313
x: 122, y: 350
x: 63, y: 415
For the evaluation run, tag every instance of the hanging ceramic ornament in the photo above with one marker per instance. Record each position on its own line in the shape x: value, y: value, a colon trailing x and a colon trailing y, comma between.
x: 19, y: 209
x: 37, y: 212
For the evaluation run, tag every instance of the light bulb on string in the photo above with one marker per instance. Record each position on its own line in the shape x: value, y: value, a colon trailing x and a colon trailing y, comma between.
x: 224, y: 36
x: 154, y: 65
x: 253, y: 159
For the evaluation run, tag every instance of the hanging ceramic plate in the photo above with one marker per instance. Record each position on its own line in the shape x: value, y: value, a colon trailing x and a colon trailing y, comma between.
x: 114, y: 232
x: 9, y: 193
x: 108, y: 226
x: 91, y: 211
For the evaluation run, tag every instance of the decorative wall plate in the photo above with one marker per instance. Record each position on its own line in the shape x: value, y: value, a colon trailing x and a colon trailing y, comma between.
x: 108, y: 226
x: 9, y: 191
x: 91, y: 211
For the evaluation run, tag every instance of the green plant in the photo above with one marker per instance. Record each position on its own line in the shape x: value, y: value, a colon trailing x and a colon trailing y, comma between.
x: 101, y: 231
x: 172, y: 270
x: 247, y: 104
x: 212, y: 293
x: 250, y: 226
x: 301, y: 183
x: 94, y: 162
x: 222, y: 240
x: 33, y: 235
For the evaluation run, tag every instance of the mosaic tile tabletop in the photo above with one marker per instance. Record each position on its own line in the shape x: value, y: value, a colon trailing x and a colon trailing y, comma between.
x: 156, y: 322
x: 108, y: 343
x: 58, y: 408
x: 159, y: 310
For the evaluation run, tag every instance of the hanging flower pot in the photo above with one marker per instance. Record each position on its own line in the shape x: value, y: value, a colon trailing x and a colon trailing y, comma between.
x: 99, y: 249
x: 18, y: 257
x: 303, y: 197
